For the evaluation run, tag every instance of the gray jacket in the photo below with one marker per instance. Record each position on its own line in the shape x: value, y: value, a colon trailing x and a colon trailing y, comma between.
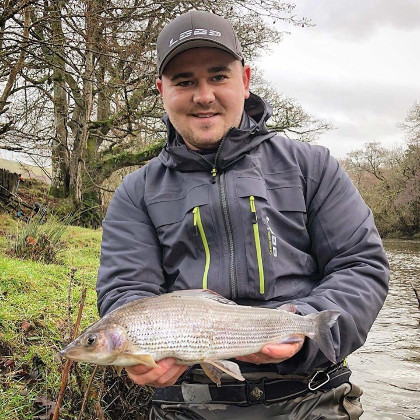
x: 263, y: 221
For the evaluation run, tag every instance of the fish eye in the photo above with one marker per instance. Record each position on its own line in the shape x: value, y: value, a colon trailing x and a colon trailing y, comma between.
x: 91, y: 339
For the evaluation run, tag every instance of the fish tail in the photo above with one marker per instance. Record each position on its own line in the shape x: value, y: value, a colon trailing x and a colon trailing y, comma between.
x: 322, y: 336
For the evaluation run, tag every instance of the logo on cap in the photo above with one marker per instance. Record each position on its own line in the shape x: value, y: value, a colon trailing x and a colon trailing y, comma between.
x: 190, y: 32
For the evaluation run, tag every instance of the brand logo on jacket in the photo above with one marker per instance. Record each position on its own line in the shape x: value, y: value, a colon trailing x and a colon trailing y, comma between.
x: 272, y: 238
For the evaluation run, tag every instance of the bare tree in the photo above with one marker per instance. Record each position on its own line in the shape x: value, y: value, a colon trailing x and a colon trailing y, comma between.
x: 372, y: 158
x: 82, y: 78
x: 389, y: 180
x: 412, y: 124
x: 289, y: 118
x: 12, y: 53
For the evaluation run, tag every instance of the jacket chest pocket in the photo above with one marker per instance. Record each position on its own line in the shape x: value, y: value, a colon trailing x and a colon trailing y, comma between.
x: 185, y: 231
x: 275, y: 236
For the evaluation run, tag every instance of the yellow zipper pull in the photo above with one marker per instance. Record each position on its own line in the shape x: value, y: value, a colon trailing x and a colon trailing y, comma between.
x: 213, y: 175
x: 195, y: 212
x: 253, y: 209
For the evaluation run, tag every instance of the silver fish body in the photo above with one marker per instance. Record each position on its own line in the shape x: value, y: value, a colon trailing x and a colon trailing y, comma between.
x: 194, y: 326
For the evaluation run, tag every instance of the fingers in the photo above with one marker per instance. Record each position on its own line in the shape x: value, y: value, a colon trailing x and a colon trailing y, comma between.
x: 170, y: 377
x: 273, y: 353
x: 166, y: 374
x: 282, y: 351
x: 260, y: 358
x: 257, y: 359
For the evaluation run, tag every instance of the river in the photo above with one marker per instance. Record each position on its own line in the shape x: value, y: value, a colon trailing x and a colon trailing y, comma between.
x: 387, y: 367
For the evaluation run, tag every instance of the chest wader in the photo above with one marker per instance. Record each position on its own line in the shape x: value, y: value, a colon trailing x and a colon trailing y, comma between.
x: 327, y: 394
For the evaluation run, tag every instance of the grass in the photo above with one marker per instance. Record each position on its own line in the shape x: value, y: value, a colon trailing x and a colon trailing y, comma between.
x: 27, y: 170
x: 38, y: 304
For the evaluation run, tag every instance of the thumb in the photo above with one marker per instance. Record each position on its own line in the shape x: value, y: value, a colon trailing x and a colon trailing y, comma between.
x: 288, y: 307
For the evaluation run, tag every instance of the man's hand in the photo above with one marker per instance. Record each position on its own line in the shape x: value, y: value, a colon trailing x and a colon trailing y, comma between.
x: 274, y: 353
x: 165, y: 375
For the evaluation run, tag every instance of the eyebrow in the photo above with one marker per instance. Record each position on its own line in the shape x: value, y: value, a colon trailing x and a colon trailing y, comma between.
x: 211, y: 70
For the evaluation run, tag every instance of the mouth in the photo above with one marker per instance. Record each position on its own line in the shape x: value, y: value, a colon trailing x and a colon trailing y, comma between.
x: 204, y: 115
x: 59, y: 356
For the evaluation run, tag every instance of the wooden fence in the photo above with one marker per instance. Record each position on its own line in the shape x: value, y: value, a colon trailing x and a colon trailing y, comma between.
x: 9, y: 182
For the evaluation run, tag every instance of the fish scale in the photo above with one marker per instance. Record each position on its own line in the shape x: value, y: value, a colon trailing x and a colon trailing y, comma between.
x: 194, y: 326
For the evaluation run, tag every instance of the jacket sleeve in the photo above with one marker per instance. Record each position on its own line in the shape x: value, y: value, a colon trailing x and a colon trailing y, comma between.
x: 351, y: 260
x: 130, y: 266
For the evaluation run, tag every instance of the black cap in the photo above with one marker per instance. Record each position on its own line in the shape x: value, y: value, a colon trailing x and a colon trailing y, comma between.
x: 196, y: 29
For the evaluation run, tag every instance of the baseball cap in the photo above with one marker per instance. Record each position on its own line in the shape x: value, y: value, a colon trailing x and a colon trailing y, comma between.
x: 196, y: 29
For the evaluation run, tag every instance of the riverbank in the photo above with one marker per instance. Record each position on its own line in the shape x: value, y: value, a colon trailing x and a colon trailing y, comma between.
x: 38, y: 307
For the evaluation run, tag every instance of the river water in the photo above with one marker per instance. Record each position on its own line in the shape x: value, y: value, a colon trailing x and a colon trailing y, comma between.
x: 387, y: 367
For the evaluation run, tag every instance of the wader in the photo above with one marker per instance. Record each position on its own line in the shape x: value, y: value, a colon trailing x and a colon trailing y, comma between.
x: 327, y: 395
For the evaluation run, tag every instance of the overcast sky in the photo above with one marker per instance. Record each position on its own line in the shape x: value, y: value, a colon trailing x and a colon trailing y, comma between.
x: 358, y: 68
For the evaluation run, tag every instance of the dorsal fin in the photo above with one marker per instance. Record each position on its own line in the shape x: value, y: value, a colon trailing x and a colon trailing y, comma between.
x: 202, y: 293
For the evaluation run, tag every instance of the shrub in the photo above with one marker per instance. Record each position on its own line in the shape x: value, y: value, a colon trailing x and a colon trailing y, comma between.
x: 38, y: 239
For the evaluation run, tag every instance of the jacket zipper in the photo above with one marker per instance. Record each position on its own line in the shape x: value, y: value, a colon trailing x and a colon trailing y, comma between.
x: 226, y: 216
x: 229, y: 233
x: 199, y: 225
x: 257, y: 243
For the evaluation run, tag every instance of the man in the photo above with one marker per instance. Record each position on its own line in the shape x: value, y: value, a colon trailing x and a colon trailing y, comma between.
x: 230, y: 206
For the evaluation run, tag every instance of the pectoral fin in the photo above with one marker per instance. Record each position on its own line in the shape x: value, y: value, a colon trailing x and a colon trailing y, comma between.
x: 215, y: 368
x: 144, y: 359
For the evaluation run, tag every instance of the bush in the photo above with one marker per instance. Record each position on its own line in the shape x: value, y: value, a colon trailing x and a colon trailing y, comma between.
x: 38, y: 239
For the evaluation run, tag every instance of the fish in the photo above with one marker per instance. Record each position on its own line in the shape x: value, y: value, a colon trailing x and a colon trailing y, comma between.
x: 194, y: 327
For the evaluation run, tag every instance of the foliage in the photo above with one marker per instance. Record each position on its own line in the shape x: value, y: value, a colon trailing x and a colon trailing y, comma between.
x: 389, y: 180
x: 34, y: 311
x: 288, y: 118
x: 39, y: 238
x: 90, y: 66
x: 38, y: 307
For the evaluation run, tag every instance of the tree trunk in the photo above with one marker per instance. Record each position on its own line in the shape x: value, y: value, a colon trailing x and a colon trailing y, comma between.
x: 60, y: 153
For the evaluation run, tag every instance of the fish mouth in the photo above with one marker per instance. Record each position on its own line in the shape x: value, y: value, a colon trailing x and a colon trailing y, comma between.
x: 71, y: 352
x: 80, y: 355
x: 64, y: 354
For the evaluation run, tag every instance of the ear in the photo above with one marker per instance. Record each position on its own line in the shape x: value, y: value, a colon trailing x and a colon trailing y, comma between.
x: 159, y: 85
x: 246, y: 78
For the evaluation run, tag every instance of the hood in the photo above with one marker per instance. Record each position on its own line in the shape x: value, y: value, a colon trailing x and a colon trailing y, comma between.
x: 233, y: 146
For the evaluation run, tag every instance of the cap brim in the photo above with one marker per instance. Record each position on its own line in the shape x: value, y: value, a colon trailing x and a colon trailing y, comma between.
x: 195, y: 43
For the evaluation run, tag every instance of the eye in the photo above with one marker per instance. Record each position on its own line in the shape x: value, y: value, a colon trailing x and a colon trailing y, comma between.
x: 219, y: 78
x: 91, y: 339
x: 185, y: 83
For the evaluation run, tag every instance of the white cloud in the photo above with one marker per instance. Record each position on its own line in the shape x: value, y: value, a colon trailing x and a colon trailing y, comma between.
x: 364, y: 84
x: 360, y: 18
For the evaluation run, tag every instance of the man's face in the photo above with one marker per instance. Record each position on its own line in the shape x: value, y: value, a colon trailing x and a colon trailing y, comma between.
x: 203, y: 91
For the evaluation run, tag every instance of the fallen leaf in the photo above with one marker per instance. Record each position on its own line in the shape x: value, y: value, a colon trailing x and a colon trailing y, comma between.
x: 45, y: 405
x: 26, y: 326
x: 30, y: 240
x: 10, y: 363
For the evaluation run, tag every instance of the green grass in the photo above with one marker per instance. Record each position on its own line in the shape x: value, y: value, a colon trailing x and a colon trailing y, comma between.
x: 34, y: 323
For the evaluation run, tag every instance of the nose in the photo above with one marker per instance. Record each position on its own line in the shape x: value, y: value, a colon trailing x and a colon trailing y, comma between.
x: 204, y: 94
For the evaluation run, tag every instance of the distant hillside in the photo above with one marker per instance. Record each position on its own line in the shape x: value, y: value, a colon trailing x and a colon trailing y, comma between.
x: 26, y: 170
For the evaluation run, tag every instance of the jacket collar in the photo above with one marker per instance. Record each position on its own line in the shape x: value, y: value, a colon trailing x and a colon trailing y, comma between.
x: 234, y: 145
